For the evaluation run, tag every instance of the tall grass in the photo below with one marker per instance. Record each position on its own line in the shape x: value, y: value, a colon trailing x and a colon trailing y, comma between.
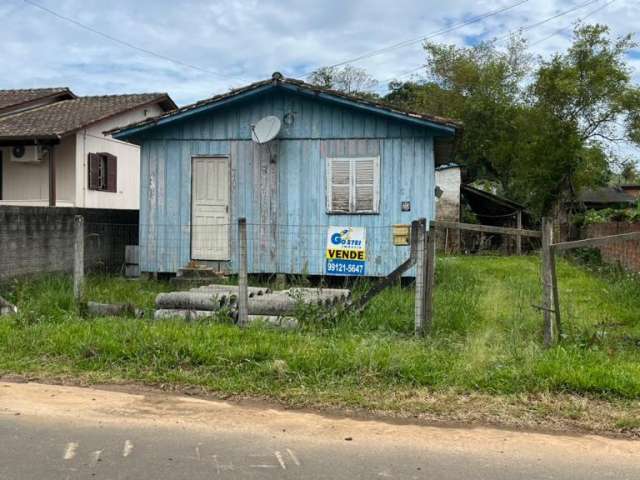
x: 486, y: 337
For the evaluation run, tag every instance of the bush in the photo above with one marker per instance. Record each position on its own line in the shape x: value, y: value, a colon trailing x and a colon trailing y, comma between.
x: 591, y: 217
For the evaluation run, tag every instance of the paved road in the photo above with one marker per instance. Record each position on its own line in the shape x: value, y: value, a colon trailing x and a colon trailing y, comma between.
x: 64, y: 433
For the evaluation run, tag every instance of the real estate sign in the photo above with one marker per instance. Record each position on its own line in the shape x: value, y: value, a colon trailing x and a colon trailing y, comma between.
x: 346, y: 251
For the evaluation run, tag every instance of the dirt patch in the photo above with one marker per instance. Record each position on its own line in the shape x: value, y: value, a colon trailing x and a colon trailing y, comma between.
x: 92, y: 407
x: 545, y: 413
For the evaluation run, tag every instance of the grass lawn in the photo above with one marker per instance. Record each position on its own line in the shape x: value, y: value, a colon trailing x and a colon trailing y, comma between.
x: 483, y: 361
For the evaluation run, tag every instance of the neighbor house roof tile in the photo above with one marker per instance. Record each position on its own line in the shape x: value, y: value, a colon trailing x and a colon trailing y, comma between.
x: 17, y: 98
x: 64, y: 117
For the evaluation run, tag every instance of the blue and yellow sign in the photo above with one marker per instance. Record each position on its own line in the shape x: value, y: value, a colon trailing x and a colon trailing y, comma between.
x: 346, y: 251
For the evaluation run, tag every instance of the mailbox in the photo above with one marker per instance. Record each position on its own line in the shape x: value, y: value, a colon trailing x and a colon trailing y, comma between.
x: 401, y: 234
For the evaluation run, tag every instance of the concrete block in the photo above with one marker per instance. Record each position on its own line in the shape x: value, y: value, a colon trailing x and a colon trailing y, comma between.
x: 132, y: 254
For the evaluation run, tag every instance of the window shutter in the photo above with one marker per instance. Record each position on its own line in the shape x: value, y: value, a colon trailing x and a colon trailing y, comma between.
x: 94, y: 171
x: 339, y: 185
x: 365, y: 183
x: 112, y: 172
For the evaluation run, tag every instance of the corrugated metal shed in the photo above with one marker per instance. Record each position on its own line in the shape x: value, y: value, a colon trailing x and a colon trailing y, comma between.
x: 606, y: 196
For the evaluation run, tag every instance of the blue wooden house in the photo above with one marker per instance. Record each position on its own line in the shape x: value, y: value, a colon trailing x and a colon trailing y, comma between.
x: 338, y: 160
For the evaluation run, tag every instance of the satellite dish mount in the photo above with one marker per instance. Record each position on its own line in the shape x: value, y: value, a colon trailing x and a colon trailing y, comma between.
x: 266, y: 129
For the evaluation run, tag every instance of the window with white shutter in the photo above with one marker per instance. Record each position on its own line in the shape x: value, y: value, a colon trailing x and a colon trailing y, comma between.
x: 353, y: 184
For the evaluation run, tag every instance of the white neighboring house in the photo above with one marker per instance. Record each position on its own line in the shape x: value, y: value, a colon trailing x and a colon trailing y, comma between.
x: 449, y: 180
x: 53, y: 151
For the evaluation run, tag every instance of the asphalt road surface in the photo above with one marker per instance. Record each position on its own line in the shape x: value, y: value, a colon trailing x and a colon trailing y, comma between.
x: 52, y: 432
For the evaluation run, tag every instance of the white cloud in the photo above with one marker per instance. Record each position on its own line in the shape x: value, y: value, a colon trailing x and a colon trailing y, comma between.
x: 246, y: 40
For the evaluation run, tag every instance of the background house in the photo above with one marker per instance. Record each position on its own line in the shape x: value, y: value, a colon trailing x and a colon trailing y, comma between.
x: 338, y: 161
x: 617, y: 196
x: 53, y: 150
x: 632, y: 189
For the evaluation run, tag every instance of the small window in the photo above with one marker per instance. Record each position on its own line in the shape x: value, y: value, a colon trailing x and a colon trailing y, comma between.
x: 353, y: 185
x: 103, y: 172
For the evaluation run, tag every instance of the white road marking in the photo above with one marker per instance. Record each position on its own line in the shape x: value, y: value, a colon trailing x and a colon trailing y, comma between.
x: 293, y: 457
x: 198, y: 453
x: 95, y: 457
x: 70, y: 451
x: 280, y: 459
x: 127, y: 449
x: 263, y: 466
x: 221, y: 467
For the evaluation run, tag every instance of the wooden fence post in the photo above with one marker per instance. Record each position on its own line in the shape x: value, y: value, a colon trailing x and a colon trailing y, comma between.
x: 413, y: 238
x: 550, y: 301
x: 556, y: 297
x: 519, y: 237
x: 419, y: 247
x: 243, y: 280
x: 430, y: 277
x: 78, y: 256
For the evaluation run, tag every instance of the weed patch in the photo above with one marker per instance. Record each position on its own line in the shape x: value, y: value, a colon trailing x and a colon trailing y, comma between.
x: 486, y: 340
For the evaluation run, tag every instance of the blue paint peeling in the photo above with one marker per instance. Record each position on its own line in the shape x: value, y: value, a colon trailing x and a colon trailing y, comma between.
x: 298, y: 205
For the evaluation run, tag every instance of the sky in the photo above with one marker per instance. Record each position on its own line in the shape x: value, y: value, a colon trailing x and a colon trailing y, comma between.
x: 234, y: 42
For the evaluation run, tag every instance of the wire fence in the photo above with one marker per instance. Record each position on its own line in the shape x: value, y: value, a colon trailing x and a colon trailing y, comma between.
x: 301, y: 248
x: 272, y: 248
x: 456, y: 242
x: 69, y: 244
x: 46, y: 244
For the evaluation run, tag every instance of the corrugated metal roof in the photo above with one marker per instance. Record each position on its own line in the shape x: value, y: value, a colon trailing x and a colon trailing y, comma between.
x: 606, y: 195
x: 278, y: 80
x: 447, y: 166
x: 494, y: 209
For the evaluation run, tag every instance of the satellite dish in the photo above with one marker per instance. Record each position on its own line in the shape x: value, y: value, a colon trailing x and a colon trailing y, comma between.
x: 266, y: 129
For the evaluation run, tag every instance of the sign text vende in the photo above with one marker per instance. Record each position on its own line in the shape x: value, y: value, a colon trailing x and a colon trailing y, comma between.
x: 334, y: 254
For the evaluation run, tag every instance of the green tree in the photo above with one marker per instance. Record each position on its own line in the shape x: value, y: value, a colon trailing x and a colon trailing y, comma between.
x: 629, y: 173
x: 542, y: 136
x: 481, y: 87
x: 348, y: 79
x: 580, y: 101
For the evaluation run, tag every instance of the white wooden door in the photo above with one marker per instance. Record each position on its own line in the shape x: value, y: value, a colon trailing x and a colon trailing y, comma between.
x: 210, y: 208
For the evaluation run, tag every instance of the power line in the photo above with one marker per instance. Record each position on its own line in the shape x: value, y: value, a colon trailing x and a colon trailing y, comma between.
x: 404, y: 74
x: 526, y: 28
x: 123, y: 42
x: 593, y: 12
x: 412, y: 41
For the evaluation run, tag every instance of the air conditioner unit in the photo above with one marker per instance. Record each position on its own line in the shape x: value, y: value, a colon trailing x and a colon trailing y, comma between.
x: 29, y: 154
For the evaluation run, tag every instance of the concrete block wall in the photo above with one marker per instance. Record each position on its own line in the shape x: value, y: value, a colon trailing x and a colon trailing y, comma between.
x: 37, y: 240
x: 626, y: 254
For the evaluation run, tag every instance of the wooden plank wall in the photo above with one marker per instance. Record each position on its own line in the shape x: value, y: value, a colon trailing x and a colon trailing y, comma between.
x: 283, y: 201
